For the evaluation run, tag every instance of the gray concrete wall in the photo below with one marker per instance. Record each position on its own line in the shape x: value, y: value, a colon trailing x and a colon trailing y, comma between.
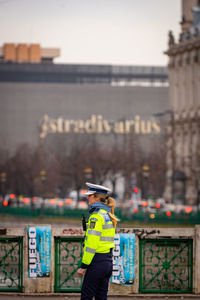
x: 46, y: 285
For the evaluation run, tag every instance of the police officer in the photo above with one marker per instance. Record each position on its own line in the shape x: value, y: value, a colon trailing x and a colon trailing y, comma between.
x: 99, y: 241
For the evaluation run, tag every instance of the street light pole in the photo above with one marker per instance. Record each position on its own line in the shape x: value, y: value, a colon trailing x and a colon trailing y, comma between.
x: 3, y: 181
x: 171, y: 114
x: 43, y: 180
x: 88, y: 173
x: 145, y: 184
x: 173, y: 153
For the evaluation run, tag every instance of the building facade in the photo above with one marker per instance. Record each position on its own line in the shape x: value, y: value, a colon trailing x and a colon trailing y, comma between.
x: 58, y: 106
x: 41, y: 100
x: 183, y: 143
x: 24, y: 53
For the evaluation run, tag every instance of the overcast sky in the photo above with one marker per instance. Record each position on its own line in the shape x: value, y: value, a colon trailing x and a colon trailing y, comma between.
x: 119, y: 32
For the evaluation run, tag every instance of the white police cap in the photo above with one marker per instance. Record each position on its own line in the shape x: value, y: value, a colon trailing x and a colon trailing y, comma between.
x: 96, y: 188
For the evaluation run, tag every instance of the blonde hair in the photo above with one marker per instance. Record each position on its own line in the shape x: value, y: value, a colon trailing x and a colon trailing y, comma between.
x: 109, y: 201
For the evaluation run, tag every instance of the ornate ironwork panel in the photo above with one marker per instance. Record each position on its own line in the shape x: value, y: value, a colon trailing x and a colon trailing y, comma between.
x: 68, y: 255
x: 11, y: 267
x: 166, y: 265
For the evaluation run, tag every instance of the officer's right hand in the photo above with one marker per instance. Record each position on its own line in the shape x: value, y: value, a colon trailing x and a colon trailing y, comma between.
x: 81, y: 271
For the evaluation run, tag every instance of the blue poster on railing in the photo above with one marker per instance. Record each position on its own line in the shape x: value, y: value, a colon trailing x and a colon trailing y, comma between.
x: 124, y: 259
x: 39, y: 251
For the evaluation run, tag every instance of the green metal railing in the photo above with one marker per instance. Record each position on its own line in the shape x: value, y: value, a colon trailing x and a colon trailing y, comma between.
x: 68, y: 254
x: 11, y: 264
x: 165, y: 266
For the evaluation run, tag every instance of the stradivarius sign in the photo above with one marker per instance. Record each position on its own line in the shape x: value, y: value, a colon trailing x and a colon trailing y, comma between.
x: 96, y: 124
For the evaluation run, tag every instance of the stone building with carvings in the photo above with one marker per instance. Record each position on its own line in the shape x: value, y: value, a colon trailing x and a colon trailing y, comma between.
x: 183, y: 143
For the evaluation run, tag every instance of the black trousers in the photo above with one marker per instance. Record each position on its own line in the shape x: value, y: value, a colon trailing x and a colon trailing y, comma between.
x: 96, y: 279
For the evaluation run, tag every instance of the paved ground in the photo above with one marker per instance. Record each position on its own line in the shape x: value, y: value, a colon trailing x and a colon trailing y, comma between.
x: 77, y: 296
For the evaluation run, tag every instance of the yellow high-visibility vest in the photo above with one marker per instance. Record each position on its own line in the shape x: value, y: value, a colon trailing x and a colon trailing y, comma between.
x: 99, y: 236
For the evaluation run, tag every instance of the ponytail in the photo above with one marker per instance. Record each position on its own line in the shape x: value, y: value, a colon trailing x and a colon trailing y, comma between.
x: 111, y: 204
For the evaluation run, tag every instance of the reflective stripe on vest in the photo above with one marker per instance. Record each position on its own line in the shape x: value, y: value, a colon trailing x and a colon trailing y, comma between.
x: 108, y: 226
x: 94, y: 232
x: 90, y: 250
x: 107, y: 239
